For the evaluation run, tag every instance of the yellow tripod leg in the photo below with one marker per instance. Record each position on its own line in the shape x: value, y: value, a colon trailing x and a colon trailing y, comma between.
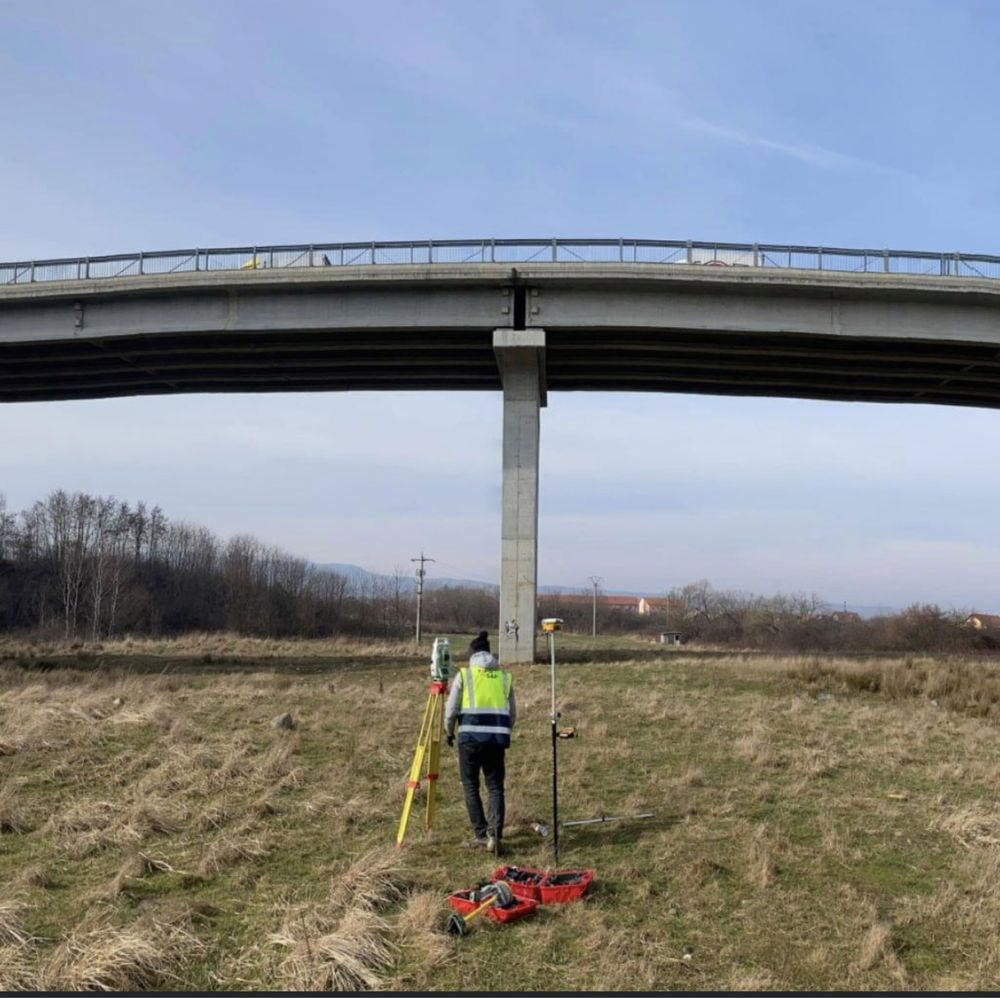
x: 434, y: 756
x: 414, y: 781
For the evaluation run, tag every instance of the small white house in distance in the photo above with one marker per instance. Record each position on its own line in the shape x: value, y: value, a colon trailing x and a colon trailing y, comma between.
x: 649, y: 604
x: 983, y: 621
x: 670, y: 638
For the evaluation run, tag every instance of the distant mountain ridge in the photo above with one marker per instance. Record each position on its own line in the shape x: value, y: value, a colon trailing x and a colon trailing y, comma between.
x: 407, y: 580
x: 408, y: 584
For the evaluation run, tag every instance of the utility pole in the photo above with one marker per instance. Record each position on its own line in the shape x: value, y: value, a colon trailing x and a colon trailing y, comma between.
x: 421, y: 572
x: 595, y: 581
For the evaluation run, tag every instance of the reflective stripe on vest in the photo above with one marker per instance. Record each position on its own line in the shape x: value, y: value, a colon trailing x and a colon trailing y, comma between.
x: 485, y: 713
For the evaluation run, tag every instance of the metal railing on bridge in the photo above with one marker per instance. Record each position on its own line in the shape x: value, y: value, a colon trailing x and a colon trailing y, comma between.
x: 512, y: 251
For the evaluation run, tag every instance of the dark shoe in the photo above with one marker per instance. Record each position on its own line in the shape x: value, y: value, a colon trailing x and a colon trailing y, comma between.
x: 493, y: 846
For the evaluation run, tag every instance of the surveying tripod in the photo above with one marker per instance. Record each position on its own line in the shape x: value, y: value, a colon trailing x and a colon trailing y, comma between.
x: 429, y: 739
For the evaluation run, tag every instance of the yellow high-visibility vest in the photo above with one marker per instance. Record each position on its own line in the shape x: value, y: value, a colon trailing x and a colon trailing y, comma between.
x: 485, y: 713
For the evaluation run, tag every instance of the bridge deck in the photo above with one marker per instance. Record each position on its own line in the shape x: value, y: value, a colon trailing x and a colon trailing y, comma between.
x: 609, y: 327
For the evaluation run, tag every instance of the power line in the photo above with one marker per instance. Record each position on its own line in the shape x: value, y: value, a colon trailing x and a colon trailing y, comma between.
x: 421, y: 572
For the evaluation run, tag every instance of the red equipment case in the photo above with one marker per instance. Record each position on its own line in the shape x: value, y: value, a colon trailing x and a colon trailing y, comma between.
x: 462, y: 902
x: 555, y: 887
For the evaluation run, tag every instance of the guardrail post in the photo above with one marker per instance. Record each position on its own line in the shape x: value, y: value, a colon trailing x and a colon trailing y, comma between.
x: 621, y: 250
x: 819, y: 257
x: 493, y: 251
x: 312, y: 253
x: 756, y: 255
x: 885, y: 261
x: 86, y: 270
x: 270, y: 259
x: 79, y: 269
x: 31, y: 273
x: 430, y: 250
x: 197, y: 260
x: 140, y: 263
x: 958, y: 264
x: 373, y: 252
x: 690, y: 253
x: 555, y: 253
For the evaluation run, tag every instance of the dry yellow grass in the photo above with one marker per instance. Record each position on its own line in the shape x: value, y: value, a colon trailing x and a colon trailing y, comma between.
x: 231, y: 847
x: 17, y: 971
x: 342, y: 943
x: 799, y: 842
x: 420, y: 935
x: 760, y: 862
x: 14, y: 819
x: 99, y: 955
x: 374, y: 880
x: 216, y: 647
x: 976, y: 825
x: 352, y: 954
x: 12, y: 931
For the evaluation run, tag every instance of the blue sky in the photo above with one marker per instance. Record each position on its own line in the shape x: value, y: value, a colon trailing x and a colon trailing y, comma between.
x: 140, y: 126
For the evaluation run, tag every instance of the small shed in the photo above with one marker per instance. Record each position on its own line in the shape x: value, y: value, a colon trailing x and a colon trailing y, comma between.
x: 670, y: 637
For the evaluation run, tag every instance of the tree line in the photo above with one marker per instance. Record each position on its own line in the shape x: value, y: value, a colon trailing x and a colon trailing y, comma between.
x: 81, y: 566
x: 730, y: 618
x: 805, y: 622
x: 93, y: 567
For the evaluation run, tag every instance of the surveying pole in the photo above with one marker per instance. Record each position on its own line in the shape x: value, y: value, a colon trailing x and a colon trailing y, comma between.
x: 550, y: 625
x: 595, y: 581
x: 421, y: 572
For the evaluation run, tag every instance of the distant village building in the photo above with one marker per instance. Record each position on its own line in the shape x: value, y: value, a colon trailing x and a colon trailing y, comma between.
x: 628, y: 604
x: 641, y: 606
x: 845, y: 617
x: 983, y: 621
x: 663, y: 610
x: 653, y: 604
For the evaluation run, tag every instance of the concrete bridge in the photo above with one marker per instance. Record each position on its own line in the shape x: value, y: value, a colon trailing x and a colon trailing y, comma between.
x: 524, y: 317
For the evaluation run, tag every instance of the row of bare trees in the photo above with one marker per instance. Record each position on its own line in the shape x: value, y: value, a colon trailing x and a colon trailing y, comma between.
x: 796, y: 622
x: 803, y: 622
x: 94, y: 567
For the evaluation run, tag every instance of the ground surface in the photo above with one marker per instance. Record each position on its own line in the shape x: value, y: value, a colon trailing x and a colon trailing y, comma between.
x: 820, y: 824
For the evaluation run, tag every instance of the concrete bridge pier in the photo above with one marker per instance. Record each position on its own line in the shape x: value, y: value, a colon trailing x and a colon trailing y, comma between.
x: 520, y: 355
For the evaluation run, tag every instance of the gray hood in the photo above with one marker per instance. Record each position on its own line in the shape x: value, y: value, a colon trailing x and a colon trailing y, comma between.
x: 483, y: 660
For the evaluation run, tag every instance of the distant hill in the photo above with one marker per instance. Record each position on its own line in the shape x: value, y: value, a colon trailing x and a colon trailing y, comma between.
x: 408, y: 583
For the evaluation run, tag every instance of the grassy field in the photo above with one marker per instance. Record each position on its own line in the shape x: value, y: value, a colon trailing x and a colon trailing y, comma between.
x: 820, y: 823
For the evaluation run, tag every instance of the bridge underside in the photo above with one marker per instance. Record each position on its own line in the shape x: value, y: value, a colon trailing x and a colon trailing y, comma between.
x: 618, y: 360
x: 527, y: 332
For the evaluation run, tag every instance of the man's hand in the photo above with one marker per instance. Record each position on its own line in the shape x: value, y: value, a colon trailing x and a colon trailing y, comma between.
x: 451, y: 741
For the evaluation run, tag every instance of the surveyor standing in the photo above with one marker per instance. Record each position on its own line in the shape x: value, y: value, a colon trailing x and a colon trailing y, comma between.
x: 482, y: 703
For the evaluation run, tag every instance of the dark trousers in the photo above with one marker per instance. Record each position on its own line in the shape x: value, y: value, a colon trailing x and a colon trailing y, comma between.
x: 473, y: 757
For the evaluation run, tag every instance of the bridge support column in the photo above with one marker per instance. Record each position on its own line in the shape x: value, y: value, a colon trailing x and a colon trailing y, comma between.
x: 520, y: 355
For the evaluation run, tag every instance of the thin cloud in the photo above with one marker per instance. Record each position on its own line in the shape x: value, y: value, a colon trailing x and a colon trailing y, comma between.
x: 812, y: 155
x: 650, y: 100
